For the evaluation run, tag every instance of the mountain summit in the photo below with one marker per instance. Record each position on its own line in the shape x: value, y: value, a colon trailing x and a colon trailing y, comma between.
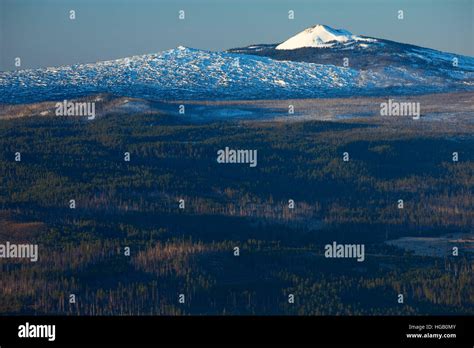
x: 321, y: 36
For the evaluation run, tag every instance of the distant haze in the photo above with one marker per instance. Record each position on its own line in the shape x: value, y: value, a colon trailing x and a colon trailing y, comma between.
x: 41, y: 33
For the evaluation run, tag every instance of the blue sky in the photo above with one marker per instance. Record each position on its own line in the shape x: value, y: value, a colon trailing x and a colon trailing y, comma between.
x: 41, y: 33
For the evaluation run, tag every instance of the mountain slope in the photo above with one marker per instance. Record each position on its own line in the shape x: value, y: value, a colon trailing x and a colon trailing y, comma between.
x: 368, y: 53
x: 181, y: 73
x: 379, y: 67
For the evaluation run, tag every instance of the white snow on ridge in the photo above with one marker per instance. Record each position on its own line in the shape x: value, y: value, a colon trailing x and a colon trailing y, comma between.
x: 186, y: 73
x: 321, y: 36
x: 180, y: 73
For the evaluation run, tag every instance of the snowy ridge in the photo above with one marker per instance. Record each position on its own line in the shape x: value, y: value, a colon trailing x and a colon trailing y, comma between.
x: 186, y: 73
x: 183, y: 73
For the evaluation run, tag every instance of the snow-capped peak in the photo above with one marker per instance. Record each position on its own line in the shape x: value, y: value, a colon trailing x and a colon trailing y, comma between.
x: 320, y: 36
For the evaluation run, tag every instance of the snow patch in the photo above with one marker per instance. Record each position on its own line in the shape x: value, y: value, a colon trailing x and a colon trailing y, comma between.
x: 280, y: 83
x: 321, y: 36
